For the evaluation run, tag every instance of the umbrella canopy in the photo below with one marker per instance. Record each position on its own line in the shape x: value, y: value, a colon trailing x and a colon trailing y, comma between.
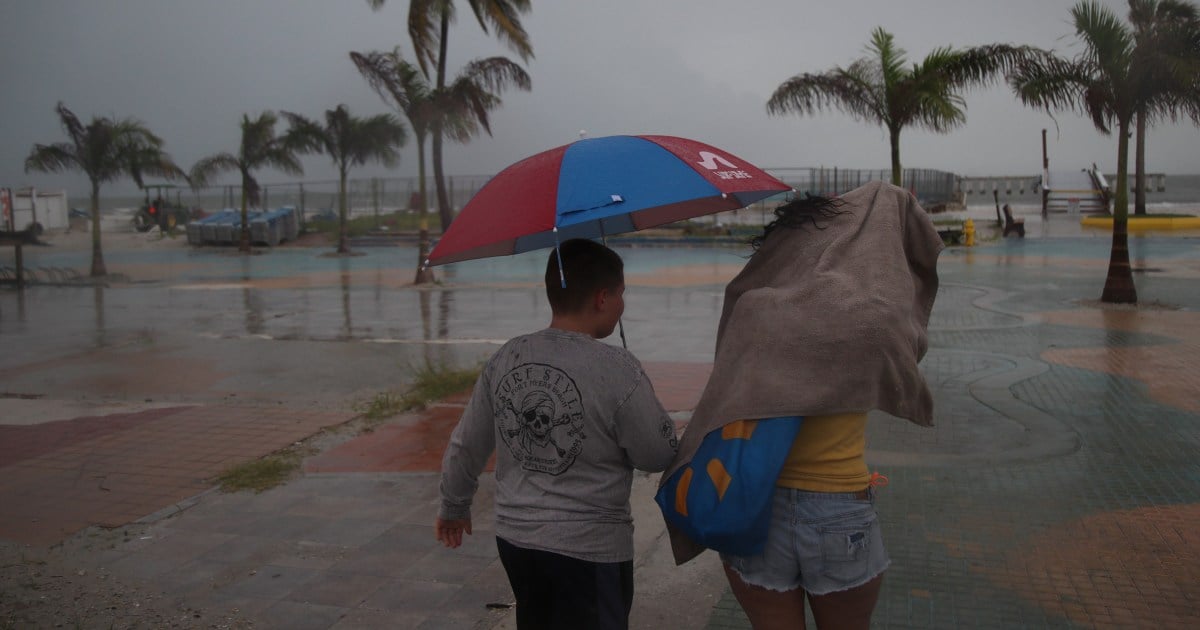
x: 599, y: 187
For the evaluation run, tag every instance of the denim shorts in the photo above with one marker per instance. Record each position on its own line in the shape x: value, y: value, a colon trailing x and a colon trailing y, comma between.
x: 819, y: 541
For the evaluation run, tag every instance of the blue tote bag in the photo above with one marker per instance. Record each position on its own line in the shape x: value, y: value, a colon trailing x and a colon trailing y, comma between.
x: 722, y: 498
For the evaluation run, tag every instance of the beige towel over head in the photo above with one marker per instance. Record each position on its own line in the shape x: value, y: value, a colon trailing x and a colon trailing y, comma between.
x: 824, y: 321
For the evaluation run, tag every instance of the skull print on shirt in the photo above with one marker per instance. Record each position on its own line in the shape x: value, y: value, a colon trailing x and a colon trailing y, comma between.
x: 540, y: 417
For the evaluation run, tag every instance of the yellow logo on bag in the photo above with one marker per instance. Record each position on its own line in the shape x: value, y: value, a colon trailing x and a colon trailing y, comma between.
x: 720, y: 477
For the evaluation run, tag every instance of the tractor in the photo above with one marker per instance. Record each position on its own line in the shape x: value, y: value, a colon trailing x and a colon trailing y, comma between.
x: 161, y: 211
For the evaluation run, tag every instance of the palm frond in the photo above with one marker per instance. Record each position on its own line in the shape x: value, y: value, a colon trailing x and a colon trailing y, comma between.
x: 381, y: 71
x: 304, y: 135
x: 400, y: 82
x: 377, y: 138
x: 504, y: 16
x: 1166, y: 60
x: 52, y: 158
x: 1098, y: 104
x: 71, y: 125
x: 206, y: 168
x: 1050, y: 82
x: 938, y: 111
x: 149, y: 159
x: 258, y: 135
x: 282, y: 158
x: 843, y: 90
x: 889, y: 58
x: 496, y: 74
x: 424, y: 21
x: 1109, y: 43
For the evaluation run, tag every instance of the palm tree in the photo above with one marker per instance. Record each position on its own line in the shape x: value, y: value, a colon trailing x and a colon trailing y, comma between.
x: 259, y: 148
x: 881, y: 89
x: 1167, y: 51
x: 393, y: 77
x: 457, y: 111
x: 429, y: 24
x: 348, y: 141
x: 1101, y: 82
x: 106, y: 150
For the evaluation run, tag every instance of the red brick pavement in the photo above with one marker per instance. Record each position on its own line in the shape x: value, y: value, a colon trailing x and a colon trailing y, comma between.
x: 57, y: 478
x: 120, y: 468
x: 417, y: 445
x: 413, y: 446
x: 21, y: 442
x: 1123, y: 569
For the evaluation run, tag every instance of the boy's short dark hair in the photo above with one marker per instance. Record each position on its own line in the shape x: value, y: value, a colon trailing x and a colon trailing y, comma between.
x: 588, y: 267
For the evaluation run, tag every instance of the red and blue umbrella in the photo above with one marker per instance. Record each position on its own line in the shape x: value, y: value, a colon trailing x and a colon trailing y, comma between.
x: 600, y: 187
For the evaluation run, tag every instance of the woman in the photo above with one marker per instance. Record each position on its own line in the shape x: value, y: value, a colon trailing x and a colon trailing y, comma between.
x: 827, y: 321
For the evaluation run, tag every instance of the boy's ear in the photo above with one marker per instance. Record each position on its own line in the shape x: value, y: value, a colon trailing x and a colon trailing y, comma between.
x: 599, y: 298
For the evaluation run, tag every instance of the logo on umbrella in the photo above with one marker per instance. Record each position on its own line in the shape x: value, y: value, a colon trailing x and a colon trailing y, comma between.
x: 711, y: 161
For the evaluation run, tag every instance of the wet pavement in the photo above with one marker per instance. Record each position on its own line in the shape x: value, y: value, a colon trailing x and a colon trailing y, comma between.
x: 1058, y: 489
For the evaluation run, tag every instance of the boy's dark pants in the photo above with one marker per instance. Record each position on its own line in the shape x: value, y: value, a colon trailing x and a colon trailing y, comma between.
x: 554, y: 591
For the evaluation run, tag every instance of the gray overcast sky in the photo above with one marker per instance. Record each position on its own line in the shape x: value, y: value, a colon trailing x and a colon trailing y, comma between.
x: 696, y: 68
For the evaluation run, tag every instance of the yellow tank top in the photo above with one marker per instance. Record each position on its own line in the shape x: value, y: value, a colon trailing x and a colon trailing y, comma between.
x: 827, y: 455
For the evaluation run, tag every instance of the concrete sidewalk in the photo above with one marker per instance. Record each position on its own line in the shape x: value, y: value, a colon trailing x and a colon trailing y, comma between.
x: 1058, y: 489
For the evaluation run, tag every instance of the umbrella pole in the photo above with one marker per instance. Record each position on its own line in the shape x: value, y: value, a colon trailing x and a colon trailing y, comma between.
x: 620, y: 322
x: 558, y: 252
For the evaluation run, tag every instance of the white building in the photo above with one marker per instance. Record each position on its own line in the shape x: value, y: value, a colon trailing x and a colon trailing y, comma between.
x: 28, y: 208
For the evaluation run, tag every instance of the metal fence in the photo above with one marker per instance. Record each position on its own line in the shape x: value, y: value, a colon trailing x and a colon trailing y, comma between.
x: 381, y: 195
x: 930, y: 186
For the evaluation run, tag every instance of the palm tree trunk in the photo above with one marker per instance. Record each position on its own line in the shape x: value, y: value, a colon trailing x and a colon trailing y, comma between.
x: 439, y: 178
x: 1118, y: 286
x: 244, y: 241
x: 1139, y: 205
x: 424, y: 274
x: 98, y: 268
x: 897, y: 174
x: 342, y: 249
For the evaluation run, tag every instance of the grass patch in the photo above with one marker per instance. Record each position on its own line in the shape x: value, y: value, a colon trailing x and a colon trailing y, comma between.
x: 431, y: 382
x: 383, y: 405
x: 260, y: 474
x: 434, y: 382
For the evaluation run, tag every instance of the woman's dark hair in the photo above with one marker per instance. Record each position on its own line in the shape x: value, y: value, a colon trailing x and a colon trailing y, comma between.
x: 800, y: 212
x: 588, y: 267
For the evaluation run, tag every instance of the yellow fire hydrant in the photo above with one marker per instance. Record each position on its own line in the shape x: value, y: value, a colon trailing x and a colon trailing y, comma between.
x: 969, y: 232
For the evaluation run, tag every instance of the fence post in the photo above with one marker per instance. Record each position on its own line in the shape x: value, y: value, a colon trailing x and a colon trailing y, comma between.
x: 21, y: 264
x: 375, y: 199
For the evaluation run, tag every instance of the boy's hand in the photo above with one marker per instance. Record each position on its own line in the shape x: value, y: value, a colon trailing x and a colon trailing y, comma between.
x: 449, y: 533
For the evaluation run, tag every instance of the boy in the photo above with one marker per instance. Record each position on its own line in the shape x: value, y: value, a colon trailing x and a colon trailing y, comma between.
x: 569, y: 418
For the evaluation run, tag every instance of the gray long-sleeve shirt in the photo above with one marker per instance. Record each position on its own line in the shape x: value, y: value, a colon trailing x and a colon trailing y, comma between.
x: 569, y: 418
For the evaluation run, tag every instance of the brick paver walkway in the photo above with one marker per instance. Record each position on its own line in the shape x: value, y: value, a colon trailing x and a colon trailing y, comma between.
x: 1059, y: 489
x: 59, y: 477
